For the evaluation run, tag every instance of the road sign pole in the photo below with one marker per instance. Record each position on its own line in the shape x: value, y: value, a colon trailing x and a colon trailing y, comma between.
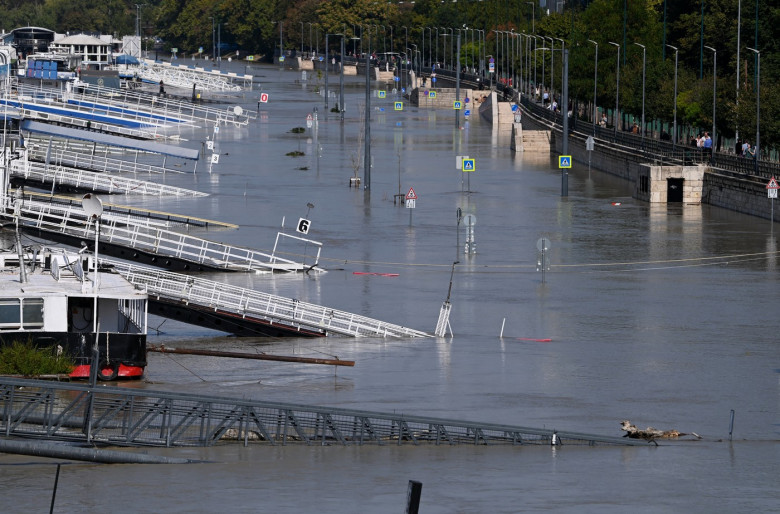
x: 565, y: 113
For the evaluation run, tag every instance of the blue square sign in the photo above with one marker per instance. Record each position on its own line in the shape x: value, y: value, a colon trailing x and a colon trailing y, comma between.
x: 564, y: 161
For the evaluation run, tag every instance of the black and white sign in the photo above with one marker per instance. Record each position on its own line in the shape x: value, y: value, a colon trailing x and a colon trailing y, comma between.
x: 303, y: 226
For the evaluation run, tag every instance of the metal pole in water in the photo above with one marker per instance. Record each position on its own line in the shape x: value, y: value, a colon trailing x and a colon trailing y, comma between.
x: 413, y: 493
x: 565, y: 107
x: 731, y: 424
x: 54, y: 492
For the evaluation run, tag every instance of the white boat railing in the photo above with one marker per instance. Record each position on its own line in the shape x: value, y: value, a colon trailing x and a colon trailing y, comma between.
x: 245, y: 302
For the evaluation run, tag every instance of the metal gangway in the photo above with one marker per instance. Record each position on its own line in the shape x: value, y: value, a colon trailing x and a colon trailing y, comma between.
x: 71, y: 221
x: 185, y: 76
x: 72, y: 154
x: 136, y: 417
x: 52, y: 175
x: 250, y: 304
x: 102, y: 104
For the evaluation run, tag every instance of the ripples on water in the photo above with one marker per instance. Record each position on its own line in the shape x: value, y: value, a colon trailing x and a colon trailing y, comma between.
x: 664, y: 316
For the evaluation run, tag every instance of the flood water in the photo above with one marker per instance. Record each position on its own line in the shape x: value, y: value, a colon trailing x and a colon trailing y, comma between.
x: 663, y: 315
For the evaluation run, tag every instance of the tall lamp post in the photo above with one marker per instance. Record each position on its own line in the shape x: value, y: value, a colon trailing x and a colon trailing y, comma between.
x: 595, y: 79
x: 644, y: 62
x: 617, y: 87
x: 758, y: 106
x: 674, y: 126
x: 533, y: 17
x: 444, y: 48
x: 213, y: 39
x: 714, y: 97
x: 552, y: 68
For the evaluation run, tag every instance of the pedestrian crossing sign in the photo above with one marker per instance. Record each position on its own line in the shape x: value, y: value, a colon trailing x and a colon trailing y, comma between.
x: 399, y: 106
x: 457, y: 104
x: 381, y: 94
x: 432, y: 94
x: 564, y: 161
x: 468, y: 165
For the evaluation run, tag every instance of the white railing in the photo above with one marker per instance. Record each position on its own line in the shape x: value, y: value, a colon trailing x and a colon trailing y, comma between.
x: 91, y: 161
x: 189, y: 289
x: 72, y: 221
x: 91, y: 180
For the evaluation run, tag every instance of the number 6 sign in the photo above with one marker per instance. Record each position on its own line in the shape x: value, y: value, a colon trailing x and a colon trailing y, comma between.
x: 303, y: 226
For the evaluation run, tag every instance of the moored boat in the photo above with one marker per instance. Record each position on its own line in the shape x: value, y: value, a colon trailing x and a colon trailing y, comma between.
x: 51, y: 301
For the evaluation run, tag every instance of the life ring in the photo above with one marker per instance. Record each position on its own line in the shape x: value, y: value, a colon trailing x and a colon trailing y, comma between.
x: 108, y: 372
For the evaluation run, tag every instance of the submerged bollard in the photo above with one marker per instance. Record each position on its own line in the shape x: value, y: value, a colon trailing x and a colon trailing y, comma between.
x: 731, y: 424
x: 413, y: 497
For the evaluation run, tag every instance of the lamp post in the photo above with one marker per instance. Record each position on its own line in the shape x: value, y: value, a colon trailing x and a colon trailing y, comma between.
x: 301, y: 38
x: 533, y: 17
x: 674, y: 136
x: 310, y: 42
x: 563, y: 48
x: 758, y: 105
x: 213, y: 34
x: 552, y: 68
x: 341, y: 79
x: 444, y: 48
x: 595, y: 82
x: 644, y: 61
x: 617, y: 87
x: 482, y: 57
x: 714, y: 97
x: 452, y: 53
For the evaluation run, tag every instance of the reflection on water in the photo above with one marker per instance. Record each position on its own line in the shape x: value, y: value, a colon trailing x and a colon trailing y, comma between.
x: 660, y: 315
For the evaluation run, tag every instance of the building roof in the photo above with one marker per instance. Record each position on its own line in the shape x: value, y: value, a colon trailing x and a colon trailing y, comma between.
x: 80, y: 40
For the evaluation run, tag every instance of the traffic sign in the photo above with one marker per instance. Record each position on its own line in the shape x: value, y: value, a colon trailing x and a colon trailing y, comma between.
x: 564, y: 161
x: 469, y: 165
x: 309, y: 117
x: 410, y: 205
x: 411, y: 195
x: 381, y: 93
x: 457, y: 104
x: 264, y: 98
x: 590, y: 143
x: 303, y: 226
x: 515, y: 107
x: 281, y: 58
x: 399, y: 106
x: 432, y: 94
x: 467, y: 113
x: 433, y: 79
x: 772, y: 184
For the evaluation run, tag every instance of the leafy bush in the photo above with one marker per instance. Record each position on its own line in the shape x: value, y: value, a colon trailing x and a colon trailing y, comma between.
x: 26, y: 359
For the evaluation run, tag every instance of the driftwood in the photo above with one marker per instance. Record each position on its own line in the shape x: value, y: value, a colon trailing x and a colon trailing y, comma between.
x: 650, y: 433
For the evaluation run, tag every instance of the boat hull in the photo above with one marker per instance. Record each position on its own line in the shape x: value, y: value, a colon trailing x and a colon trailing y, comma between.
x: 120, y: 356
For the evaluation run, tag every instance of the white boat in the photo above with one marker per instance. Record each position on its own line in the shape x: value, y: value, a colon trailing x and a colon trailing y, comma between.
x: 51, y: 301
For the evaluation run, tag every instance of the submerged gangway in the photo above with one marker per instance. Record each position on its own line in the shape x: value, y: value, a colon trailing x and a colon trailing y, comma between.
x: 251, y: 304
x: 136, y: 417
x: 186, y: 76
x: 89, y: 158
x: 51, y: 175
x: 159, y: 243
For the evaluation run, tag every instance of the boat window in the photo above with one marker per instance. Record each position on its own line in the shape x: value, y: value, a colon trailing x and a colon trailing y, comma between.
x: 32, y: 312
x: 10, y: 313
x: 18, y: 313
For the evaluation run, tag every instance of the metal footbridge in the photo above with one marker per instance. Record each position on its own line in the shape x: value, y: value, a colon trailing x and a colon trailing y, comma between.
x: 146, y: 240
x: 185, y: 76
x: 245, y: 311
x: 134, y: 417
x: 70, y: 179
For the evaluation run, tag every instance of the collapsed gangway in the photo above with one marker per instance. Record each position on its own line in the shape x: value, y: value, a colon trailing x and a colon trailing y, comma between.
x: 146, y: 241
x: 245, y: 311
x: 137, y: 417
x: 185, y: 76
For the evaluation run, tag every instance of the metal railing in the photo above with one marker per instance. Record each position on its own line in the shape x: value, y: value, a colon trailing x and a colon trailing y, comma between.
x: 130, y: 417
x: 92, y: 181
x: 130, y: 233
x: 244, y: 302
x: 90, y: 160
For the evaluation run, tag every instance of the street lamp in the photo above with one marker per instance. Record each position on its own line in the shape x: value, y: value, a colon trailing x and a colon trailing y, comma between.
x: 213, y: 33
x: 552, y: 68
x: 301, y: 38
x: 617, y: 87
x: 595, y: 78
x: 533, y: 17
x: 444, y: 48
x: 674, y: 137
x: 644, y: 61
x: 758, y: 105
x: 563, y: 48
x: 714, y: 95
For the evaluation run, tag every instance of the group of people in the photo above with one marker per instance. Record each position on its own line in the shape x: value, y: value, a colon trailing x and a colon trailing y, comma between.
x: 745, y: 149
x: 703, y: 142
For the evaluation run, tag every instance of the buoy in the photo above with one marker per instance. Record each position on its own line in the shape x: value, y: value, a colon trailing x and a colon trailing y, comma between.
x: 535, y: 340
x: 615, y: 203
